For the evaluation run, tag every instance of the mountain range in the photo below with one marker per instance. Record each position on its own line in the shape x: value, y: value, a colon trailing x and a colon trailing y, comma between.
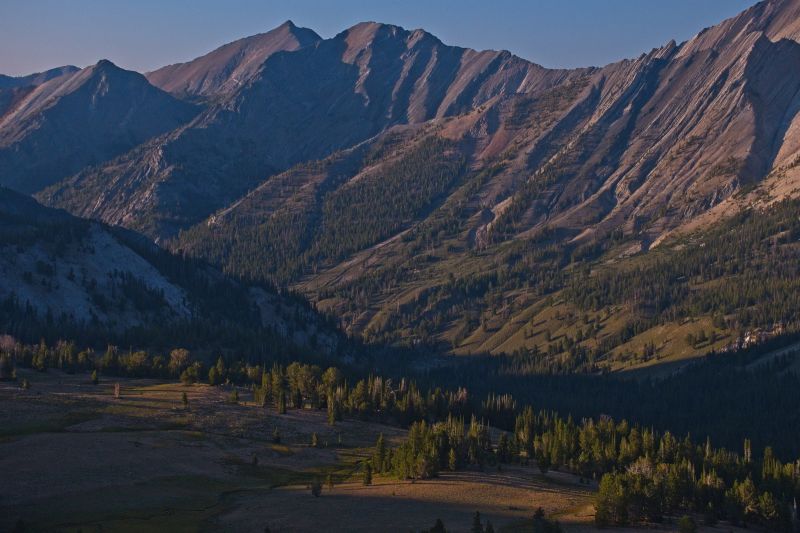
x: 439, y: 196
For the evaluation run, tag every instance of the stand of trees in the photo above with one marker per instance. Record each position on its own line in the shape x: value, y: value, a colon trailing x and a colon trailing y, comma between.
x: 644, y: 474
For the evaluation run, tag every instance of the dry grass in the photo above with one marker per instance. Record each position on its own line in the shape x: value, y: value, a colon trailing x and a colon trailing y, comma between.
x: 506, y: 498
x: 74, y: 457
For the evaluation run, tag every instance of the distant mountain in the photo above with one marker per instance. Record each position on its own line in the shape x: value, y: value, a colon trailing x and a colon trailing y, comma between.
x: 9, y: 82
x: 301, y: 106
x: 430, y: 194
x: 13, y: 90
x: 232, y: 65
x: 608, y: 163
x: 84, y: 118
x: 75, y: 277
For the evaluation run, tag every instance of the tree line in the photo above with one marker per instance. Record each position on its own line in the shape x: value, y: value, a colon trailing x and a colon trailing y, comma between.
x: 644, y: 474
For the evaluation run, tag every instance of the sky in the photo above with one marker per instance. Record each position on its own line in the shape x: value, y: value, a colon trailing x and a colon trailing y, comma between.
x: 145, y: 34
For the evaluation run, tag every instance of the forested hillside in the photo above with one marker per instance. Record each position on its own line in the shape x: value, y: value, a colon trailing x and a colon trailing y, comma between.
x: 67, y: 278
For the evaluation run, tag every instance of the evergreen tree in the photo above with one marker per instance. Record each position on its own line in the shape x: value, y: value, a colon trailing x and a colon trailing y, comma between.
x: 687, y: 525
x: 477, y: 525
x: 213, y: 376
x: 39, y: 362
x: 331, y: 411
x: 281, y: 403
x: 367, y: 473
x: 611, y: 506
x: 316, y: 488
x: 379, y: 458
x: 503, y: 451
x: 220, y: 370
x: 438, y: 527
x: 185, y: 400
x: 6, y: 368
x: 95, y: 379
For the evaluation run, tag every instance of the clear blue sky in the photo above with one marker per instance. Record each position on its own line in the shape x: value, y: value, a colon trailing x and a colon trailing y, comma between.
x: 145, y: 34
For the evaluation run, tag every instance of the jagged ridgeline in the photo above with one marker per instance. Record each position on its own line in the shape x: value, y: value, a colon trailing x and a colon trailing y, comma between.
x: 431, y: 195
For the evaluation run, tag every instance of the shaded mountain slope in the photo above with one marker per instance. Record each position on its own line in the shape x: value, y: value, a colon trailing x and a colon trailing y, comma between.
x: 599, y: 167
x: 84, y: 118
x: 230, y: 66
x: 69, y: 276
x: 301, y: 106
x: 10, y: 82
x: 434, y: 195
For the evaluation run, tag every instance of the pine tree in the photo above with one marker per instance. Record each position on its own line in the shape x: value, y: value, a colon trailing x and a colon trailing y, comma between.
x: 686, y: 525
x: 314, y: 440
x: 489, y: 527
x: 316, y: 487
x: 95, y: 379
x: 330, y: 481
x: 266, y: 388
x: 438, y: 527
x: 452, y: 460
x: 40, y: 358
x: 503, y: 448
x: 6, y: 368
x: 221, y: 370
x: 281, y: 403
x: 331, y: 411
x: 367, y: 473
x: 477, y: 525
x: 185, y: 400
x: 380, y: 454
x: 611, y: 506
x: 213, y: 376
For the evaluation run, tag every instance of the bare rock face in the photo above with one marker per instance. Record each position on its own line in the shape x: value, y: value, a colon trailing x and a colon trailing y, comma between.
x: 231, y: 66
x: 69, y: 122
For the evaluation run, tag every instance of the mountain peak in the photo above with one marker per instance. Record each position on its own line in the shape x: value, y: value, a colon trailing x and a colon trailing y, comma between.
x: 231, y: 65
x: 106, y: 65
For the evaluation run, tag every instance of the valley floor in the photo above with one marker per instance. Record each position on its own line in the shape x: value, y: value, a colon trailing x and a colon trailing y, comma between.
x: 75, y: 457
